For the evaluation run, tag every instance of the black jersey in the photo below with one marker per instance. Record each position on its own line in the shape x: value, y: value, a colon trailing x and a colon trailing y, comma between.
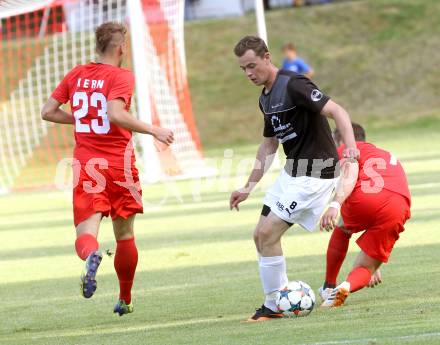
x: 292, y: 113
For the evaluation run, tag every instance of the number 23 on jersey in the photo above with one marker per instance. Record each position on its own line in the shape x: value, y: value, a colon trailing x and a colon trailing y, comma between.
x: 98, y: 101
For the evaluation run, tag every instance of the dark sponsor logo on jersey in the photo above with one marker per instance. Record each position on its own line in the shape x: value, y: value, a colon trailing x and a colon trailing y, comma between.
x: 277, y: 126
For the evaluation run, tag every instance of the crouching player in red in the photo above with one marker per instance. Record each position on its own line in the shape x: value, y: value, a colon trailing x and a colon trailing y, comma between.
x: 375, y: 199
x: 105, y: 178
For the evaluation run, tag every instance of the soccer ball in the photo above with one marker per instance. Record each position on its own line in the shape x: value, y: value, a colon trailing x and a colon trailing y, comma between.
x: 296, y: 299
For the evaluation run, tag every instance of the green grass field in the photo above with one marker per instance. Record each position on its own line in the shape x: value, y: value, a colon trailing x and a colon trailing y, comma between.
x: 197, y: 274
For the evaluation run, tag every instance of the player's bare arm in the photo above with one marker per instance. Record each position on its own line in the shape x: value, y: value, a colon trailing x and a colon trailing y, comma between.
x: 343, y: 123
x: 51, y: 112
x: 265, y: 155
x: 119, y: 116
x: 346, y: 184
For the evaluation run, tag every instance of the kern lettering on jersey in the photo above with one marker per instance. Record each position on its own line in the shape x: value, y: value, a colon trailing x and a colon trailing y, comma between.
x: 92, y: 84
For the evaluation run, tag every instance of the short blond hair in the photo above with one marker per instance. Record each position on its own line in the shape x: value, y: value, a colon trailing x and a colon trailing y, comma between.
x: 107, y: 36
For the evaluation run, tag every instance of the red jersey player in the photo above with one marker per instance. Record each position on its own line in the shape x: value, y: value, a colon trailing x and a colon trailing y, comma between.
x: 375, y: 199
x: 99, y: 95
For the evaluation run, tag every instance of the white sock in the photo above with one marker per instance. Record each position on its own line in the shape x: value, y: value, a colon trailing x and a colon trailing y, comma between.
x: 273, y: 278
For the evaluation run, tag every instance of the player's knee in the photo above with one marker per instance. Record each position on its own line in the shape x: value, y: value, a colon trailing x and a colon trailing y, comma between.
x: 264, y: 236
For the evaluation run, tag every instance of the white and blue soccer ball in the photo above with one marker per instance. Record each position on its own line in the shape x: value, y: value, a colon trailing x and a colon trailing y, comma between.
x: 296, y: 299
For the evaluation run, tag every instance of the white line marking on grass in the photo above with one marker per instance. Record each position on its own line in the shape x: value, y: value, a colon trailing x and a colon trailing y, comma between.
x: 369, y: 340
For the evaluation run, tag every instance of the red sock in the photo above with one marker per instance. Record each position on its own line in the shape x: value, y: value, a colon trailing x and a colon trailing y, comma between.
x: 85, y: 244
x: 336, y: 252
x: 358, y: 278
x: 126, y: 259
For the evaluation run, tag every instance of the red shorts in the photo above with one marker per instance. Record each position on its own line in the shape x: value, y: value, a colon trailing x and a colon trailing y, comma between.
x: 382, y: 216
x: 96, y: 190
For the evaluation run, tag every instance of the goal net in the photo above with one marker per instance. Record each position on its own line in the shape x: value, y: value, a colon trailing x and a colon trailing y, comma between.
x: 42, y: 40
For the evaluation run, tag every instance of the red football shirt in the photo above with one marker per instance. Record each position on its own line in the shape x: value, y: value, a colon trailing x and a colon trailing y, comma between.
x: 378, y: 169
x: 88, y: 88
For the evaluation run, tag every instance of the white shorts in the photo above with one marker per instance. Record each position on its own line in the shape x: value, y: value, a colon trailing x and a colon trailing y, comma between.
x: 299, y: 200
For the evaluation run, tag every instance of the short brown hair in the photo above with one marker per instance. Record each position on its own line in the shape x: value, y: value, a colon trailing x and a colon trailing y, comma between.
x: 358, y: 130
x: 251, y: 43
x: 106, y: 38
x: 289, y: 46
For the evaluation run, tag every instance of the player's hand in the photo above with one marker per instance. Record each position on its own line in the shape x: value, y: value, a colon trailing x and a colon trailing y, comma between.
x: 351, y: 153
x: 164, y: 135
x: 376, y: 279
x: 328, y: 220
x: 237, y: 197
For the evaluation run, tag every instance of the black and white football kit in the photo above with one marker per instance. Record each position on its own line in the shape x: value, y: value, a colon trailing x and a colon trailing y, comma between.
x: 292, y: 114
